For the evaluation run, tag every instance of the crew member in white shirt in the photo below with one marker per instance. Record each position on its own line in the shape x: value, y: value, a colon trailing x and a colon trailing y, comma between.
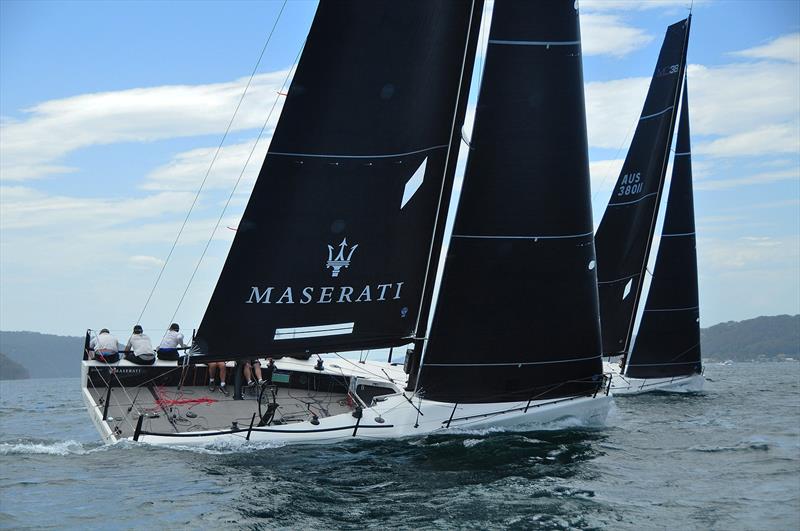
x: 168, y: 349
x: 104, y: 347
x: 142, y: 347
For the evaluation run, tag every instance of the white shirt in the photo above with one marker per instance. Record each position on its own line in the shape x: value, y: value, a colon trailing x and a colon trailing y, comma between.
x: 104, y: 341
x: 172, y: 339
x: 141, y: 345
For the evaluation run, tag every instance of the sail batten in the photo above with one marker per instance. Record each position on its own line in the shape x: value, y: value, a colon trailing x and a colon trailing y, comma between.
x: 517, y: 313
x: 328, y: 235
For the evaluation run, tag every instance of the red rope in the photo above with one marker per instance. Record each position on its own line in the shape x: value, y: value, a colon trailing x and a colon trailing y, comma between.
x: 163, y: 401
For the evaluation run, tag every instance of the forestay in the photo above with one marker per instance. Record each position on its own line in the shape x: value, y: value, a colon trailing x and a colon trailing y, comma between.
x: 625, y: 233
x: 668, y: 341
x: 517, y: 314
x: 332, y: 249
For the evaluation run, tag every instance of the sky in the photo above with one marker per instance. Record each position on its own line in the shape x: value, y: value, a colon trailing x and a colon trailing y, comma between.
x: 112, y: 112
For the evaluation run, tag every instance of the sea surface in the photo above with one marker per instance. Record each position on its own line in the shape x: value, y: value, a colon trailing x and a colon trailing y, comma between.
x: 728, y: 458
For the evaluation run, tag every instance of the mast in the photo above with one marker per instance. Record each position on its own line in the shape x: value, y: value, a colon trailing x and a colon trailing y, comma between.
x: 332, y: 250
x: 517, y: 313
x: 668, y: 341
x: 625, y: 234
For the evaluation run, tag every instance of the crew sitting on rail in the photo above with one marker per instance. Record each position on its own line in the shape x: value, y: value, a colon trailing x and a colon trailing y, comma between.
x: 139, y: 343
x: 168, y: 349
x: 251, y: 366
x: 104, y: 347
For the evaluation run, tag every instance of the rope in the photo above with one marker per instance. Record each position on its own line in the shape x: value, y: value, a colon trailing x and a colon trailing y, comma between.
x: 233, y: 191
x: 213, y: 160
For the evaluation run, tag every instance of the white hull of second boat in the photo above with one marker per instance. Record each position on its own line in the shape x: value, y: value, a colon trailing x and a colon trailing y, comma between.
x: 625, y: 385
x: 395, y: 418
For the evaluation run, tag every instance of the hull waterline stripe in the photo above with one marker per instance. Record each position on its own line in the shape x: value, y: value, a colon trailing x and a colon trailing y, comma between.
x: 334, y: 156
x: 656, y: 114
x: 673, y: 309
x: 634, y: 201
x: 266, y: 430
x: 617, y: 280
x: 511, y: 364
x: 524, y: 237
x: 677, y: 234
x: 534, y: 43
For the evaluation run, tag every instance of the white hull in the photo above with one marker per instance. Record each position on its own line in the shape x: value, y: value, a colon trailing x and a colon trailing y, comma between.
x: 392, y: 416
x: 625, y: 385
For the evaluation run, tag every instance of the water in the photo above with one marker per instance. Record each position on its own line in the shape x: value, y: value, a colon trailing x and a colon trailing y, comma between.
x: 725, y: 459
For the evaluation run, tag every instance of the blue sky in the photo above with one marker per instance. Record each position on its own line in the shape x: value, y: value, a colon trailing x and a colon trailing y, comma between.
x: 110, y: 113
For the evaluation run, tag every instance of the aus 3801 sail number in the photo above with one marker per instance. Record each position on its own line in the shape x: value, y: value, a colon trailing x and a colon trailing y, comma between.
x: 631, y: 184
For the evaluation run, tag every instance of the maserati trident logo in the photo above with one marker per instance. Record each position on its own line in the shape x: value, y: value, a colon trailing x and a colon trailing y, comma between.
x: 336, y: 264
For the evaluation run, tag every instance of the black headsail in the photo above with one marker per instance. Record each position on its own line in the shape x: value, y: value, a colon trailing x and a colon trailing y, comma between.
x: 625, y: 234
x: 332, y: 248
x: 668, y: 341
x: 517, y: 314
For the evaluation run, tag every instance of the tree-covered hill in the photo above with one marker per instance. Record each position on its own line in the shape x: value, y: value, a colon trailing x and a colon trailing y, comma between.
x: 774, y: 337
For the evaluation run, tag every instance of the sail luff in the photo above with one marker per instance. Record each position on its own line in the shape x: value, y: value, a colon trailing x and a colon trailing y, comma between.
x: 668, y: 340
x: 624, y: 237
x: 448, y: 180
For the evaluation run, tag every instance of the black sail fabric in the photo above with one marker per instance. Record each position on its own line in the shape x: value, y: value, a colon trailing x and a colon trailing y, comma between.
x: 625, y: 233
x: 332, y: 248
x: 517, y: 314
x: 668, y: 341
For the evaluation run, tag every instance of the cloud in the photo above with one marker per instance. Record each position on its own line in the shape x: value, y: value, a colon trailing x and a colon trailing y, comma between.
x: 768, y: 139
x: 55, y: 128
x: 756, y: 179
x: 634, y: 5
x: 783, y: 48
x: 186, y: 170
x: 748, y: 253
x: 609, y: 35
x: 145, y: 262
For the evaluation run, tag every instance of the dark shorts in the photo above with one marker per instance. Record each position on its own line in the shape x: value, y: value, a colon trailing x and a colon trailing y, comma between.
x: 168, y: 354
x: 133, y: 358
x: 106, y: 357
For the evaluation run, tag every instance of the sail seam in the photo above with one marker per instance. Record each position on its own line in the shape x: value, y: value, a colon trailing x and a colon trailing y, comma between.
x: 634, y: 201
x: 685, y: 153
x: 617, y: 279
x: 567, y: 236
x: 534, y: 43
x: 678, y: 234
x: 656, y: 114
x: 332, y: 156
x: 509, y: 364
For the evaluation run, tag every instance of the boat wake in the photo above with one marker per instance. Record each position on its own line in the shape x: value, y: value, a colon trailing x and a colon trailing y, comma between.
x: 61, y: 448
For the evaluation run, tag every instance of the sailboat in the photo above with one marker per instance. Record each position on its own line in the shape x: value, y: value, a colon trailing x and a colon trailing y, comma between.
x: 665, y: 353
x: 339, y: 246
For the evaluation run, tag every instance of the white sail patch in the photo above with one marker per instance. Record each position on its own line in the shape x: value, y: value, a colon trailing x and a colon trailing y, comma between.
x: 414, y: 183
x: 627, y: 289
x: 302, y: 332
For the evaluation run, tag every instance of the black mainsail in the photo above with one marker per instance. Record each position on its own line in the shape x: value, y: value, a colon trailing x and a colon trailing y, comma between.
x: 625, y: 234
x: 332, y: 249
x: 517, y: 316
x: 668, y: 341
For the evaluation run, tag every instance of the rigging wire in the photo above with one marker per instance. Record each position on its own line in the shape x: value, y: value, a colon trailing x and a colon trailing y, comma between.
x: 236, y: 185
x: 213, y: 160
